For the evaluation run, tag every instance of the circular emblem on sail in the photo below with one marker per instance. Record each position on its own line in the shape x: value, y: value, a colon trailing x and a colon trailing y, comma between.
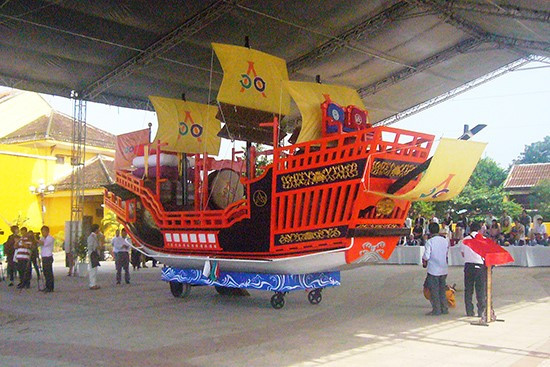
x: 196, y: 130
x: 246, y: 82
x: 184, y: 129
x: 259, y: 84
x: 260, y: 198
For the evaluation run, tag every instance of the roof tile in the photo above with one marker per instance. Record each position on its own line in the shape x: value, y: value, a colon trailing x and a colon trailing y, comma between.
x: 527, y: 175
x: 58, y: 127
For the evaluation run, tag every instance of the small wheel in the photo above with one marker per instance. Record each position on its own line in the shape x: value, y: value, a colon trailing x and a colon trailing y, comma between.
x: 180, y: 290
x: 315, y: 297
x: 278, y: 301
x: 186, y: 290
x: 176, y: 288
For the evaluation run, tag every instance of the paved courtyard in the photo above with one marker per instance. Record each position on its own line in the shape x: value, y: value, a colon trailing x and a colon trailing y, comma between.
x: 375, y: 318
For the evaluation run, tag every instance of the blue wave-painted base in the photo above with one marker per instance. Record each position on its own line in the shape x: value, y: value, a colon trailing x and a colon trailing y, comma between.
x: 266, y: 282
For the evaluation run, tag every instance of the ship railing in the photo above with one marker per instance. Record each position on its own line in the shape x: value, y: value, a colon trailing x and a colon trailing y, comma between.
x: 332, y: 205
x: 408, y: 145
x: 180, y: 219
x: 115, y: 204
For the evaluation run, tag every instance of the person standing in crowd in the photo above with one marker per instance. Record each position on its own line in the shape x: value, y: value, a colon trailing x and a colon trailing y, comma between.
x: 9, y: 250
x: 445, y: 231
x: 113, y: 242
x: 506, y: 232
x: 23, y: 256
x: 136, y: 258
x: 418, y: 234
x: 47, y: 242
x: 475, y: 276
x: 121, y: 248
x: 33, y: 241
x: 435, y: 259
x: 539, y: 236
x: 505, y: 217
x: 525, y: 219
x: 489, y: 220
x: 93, y: 254
x: 69, y: 256
x: 494, y: 231
x: 518, y: 233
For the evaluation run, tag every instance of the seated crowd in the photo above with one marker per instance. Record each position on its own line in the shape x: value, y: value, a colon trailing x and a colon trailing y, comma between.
x: 505, y: 231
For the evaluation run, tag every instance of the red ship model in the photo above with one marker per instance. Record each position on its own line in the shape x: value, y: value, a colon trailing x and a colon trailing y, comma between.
x: 320, y: 206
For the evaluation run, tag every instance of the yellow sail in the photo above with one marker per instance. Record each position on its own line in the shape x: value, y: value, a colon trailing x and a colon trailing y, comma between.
x: 187, y: 127
x: 252, y: 79
x: 449, y: 171
x: 308, y: 98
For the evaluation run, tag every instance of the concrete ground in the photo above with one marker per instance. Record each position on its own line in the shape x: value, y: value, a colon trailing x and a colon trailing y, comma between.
x: 375, y: 318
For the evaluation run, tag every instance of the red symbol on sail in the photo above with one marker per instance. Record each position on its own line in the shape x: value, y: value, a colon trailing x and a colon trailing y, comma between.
x: 247, y: 81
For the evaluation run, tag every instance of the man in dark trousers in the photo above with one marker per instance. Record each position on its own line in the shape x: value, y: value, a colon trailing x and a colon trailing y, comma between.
x: 47, y: 242
x: 9, y: 249
x: 475, y: 275
x: 23, y: 257
x: 435, y: 259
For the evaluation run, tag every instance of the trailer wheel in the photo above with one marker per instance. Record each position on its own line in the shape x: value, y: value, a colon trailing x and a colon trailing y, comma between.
x: 278, y: 300
x: 180, y: 290
x: 315, y: 297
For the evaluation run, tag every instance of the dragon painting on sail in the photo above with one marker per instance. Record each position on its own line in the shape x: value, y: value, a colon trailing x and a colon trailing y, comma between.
x: 326, y: 202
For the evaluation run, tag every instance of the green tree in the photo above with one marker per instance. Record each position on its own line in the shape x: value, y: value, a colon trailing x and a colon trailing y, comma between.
x: 262, y: 161
x: 538, y: 152
x: 487, y: 174
x: 541, y: 198
x: 424, y: 208
x: 109, y: 224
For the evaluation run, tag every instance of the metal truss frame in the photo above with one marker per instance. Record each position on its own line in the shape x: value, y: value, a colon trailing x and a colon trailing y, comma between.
x: 463, y: 88
x: 185, y: 30
x: 459, y: 48
x: 501, y: 10
x: 78, y: 157
x: 367, y: 28
x: 445, y: 11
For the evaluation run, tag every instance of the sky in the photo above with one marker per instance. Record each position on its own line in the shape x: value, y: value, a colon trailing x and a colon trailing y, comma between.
x: 515, y: 107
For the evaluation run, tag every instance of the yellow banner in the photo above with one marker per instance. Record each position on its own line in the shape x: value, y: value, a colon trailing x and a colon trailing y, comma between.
x: 252, y: 79
x: 449, y: 171
x: 309, y: 96
x: 187, y: 127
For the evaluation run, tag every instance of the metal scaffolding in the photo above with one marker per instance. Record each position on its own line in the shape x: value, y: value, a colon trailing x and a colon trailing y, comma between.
x: 362, y: 31
x: 463, y: 88
x: 184, y: 31
x: 78, y: 157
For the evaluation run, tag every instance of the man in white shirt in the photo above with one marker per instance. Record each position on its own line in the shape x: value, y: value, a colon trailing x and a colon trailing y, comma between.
x: 435, y: 258
x: 46, y: 242
x: 121, y: 248
x: 538, y: 234
x: 475, y: 275
x: 93, y: 247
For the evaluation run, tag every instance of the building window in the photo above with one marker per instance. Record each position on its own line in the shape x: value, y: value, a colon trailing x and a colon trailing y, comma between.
x: 59, y: 159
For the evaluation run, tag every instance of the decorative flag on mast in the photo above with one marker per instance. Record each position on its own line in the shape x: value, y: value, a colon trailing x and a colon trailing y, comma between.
x: 128, y: 147
x: 187, y: 127
x: 449, y: 171
x: 252, y: 79
x: 309, y: 96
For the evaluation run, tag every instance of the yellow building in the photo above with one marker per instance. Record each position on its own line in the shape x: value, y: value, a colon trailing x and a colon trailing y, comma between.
x: 35, y: 158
